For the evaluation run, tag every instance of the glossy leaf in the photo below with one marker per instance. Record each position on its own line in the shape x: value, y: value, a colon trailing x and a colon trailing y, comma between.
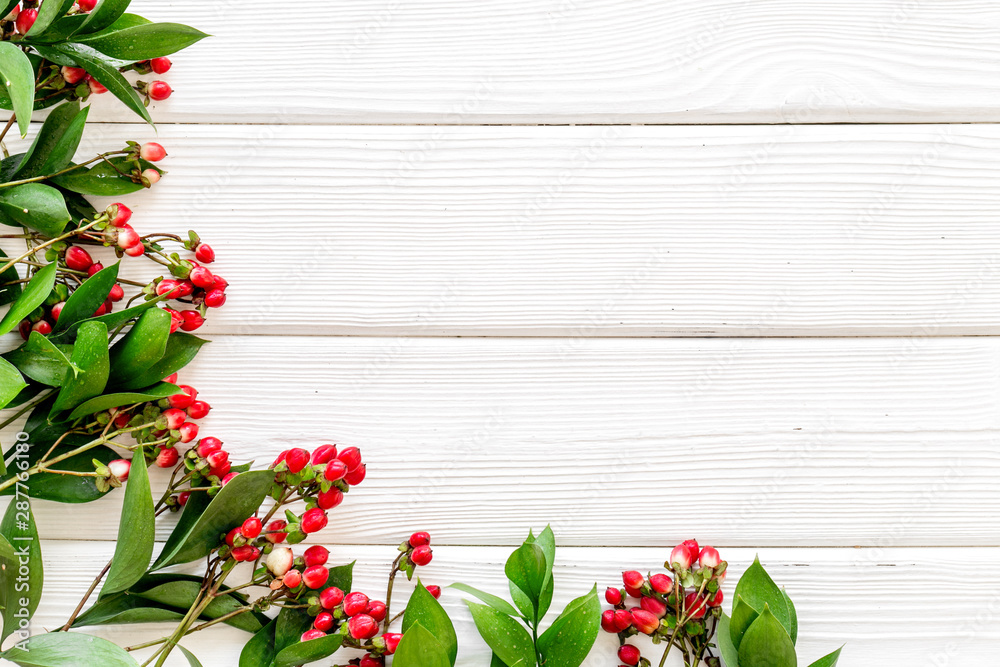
x: 758, y: 589
x: 112, y: 321
x: 497, y: 603
x: 302, y: 653
x: 140, y: 348
x: 63, y: 488
x: 180, y: 594
x: 546, y: 540
x: 291, y: 623
x: 90, y: 355
x: 235, y: 502
x: 793, y: 629
x: 55, y: 144
x: 828, y: 660
x: 743, y: 616
x: 38, y: 289
x: 88, y: 297
x: 419, y: 648
x: 41, y: 360
x: 259, y: 651
x: 68, y: 649
x: 569, y: 639
x: 18, y: 81
x: 11, y: 382
x: 8, y: 593
x: 107, y: 178
x: 105, y: 14
x: 152, y: 40
x: 20, y: 531
x: 509, y: 639
x: 136, y: 530
x: 12, y: 290
x: 181, y: 349
x: 108, y: 401
x: 36, y: 206
x: 192, y: 660
x: 725, y: 642
x: 424, y: 609
x: 526, y: 569
x: 342, y: 576
x: 766, y: 643
x: 124, y: 609
x: 48, y: 12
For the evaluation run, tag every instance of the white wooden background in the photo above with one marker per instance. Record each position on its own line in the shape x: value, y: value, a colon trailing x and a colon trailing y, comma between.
x: 646, y: 270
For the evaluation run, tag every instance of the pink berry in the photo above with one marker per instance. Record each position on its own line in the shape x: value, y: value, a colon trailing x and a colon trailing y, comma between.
x: 251, y: 528
x: 392, y: 640
x: 228, y: 478
x: 316, y: 555
x: 351, y: 458
x: 313, y: 520
x: 327, y: 500
x: 709, y: 557
x: 653, y: 606
x: 420, y: 539
x: 204, y: 253
x: 331, y: 597
x: 86, y: 5
x: 152, y: 152
x: 275, y: 534
x: 685, y: 554
x: 296, y: 460
x: 661, y: 583
x: 362, y: 626
x: 292, y: 579
x: 73, y: 75
x: 421, y: 555
x: 188, y: 431
x: 716, y: 600
x: 208, y: 445
x: 198, y: 410
x: 645, y: 622
x: 633, y: 579
x: 355, y: 603
x: 323, y: 621
x: 78, y: 259
x: 316, y: 577
x: 217, y: 460
x: 127, y: 237
x: 201, y: 277
x: 119, y: 214
x: 160, y: 65
x: 629, y: 654
x: 309, y: 635
x: 42, y: 327
x: 183, y: 497
x: 167, y: 458
x: 183, y: 400
x: 376, y: 609
x: 120, y: 468
x: 335, y: 470
x: 174, y: 418
x: 117, y: 293
x: 159, y: 90
x: 56, y: 310
x: 25, y: 20
x: 96, y: 87
x: 613, y: 596
x: 357, y: 475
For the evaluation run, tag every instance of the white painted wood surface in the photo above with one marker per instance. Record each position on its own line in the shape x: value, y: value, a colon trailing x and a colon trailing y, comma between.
x: 509, y: 319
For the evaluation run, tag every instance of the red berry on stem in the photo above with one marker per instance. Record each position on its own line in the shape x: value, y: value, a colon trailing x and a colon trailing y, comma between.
x: 167, y: 458
x: 684, y: 554
x: 716, y: 600
x: 653, y: 606
x: 183, y: 400
x: 220, y: 283
x: 117, y: 293
x: 435, y: 591
x: 25, y: 20
x: 204, y: 254
x: 623, y: 620
x: 608, y: 621
x: 313, y: 520
x: 188, y: 431
x: 391, y: 640
x: 198, y: 410
x: 309, y: 635
x: 201, y: 277
x: 192, y: 320
x: 208, y: 445
x: 355, y: 603
x: 159, y: 90
x: 613, y: 596
x: 645, y: 622
x: 175, y: 319
x: 96, y: 87
x: 296, y: 459
x: 370, y: 660
x: 324, y: 454
x: 327, y: 500
x: 351, y: 458
x: 94, y: 268
x: 215, y: 298
x: 376, y: 609
x: 362, y: 626
x: 420, y: 539
x: 709, y: 557
x: 251, y: 528
x: 275, y: 534
x: 421, y: 555
x: 160, y: 65
x: 335, y: 470
x: 78, y: 259
x: 231, y: 536
x: 183, y: 497
x: 244, y: 553
x: 56, y: 310
x: 292, y: 579
x: 42, y: 327
x: 316, y: 577
x: 331, y: 597
x: 633, y: 579
x: 629, y: 654
x: 120, y: 468
x: 119, y: 214
x: 86, y: 5
x: 661, y: 583
x: 152, y: 152
x: 174, y: 417
x: 73, y: 75
x: 323, y: 621
x: 694, y: 606
x: 357, y: 475
x: 217, y: 459
x: 316, y: 555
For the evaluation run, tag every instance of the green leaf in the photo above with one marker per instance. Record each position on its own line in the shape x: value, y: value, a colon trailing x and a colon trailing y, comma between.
x: 104, y: 179
x: 49, y: 11
x: 495, y: 661
x: 235, y: 502
x: 497, y: 603
x: 90, y: 355
x: 193, y: 661
x: 259, y: 651
x: 143, y: 346
x: 291, y: 623
x: 136, y: 530
x: 20, y: 531
x: 181, y: 349
x: 56, y: 142
x: 105, y: 14
x: 342, y: 576
x: 11, y: 382
x: 508, y: 638
x: 726, y: 646
x: 793, y: 629
x: 88, y: 297
x: 419, y: 648
x: 526, y: 569
x: 571, y: 636
x: 547, y: 541
x: 743, y: 616
x: 108, y: 401
x: 312, y: 650
x: 428, y: 612
x: 36, y: 206
x: 41, y: 360
x: 112, y: 321
x: 18, y: 81
x: 758, y: 589
x: 10, y: 292
x: 181, y: 594
x: 122, y: 609
x: 65, y: 488
x: 34, y: 295
x: 106, y: 74
x: 68, y: 649
x: 152, y: 40
x: 766, y: 643
x: 828, y: 660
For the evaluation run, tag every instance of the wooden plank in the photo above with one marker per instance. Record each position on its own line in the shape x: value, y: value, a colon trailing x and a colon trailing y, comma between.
x: 806, y: 442
x: 872, y: 600
x: 546, y: 231
x: 565, y: 61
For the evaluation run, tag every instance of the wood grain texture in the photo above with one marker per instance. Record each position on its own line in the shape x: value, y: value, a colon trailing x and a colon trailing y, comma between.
x: 576, y: 61
x: 755, y: 442
x: 558, y: 231
x: 875, y: 601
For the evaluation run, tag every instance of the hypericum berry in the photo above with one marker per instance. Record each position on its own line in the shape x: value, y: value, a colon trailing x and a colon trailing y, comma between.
x: 94, y: 268
x: 629, y: 654
x: 78, y: 259
x: 159, y: 90
x: 316, y: 555
x: 127, y: 237
x: 73, y: 75
x: 208, y: 445
x: 608, y: 621
x: 160, y: 65
x: 694, y: 606
x: 623, y: 620
x: 376, y: 609
x: 86, y: 5
x: 119, y: 215
x: 152, y: 152
x: 198, y: 409
x: 716, y: 600
x: 120, y: 468
x: 614, y: 596
x: 167, y: 458
x: 327, y: 500
x: 323, y: 621
x: 183, y: 497
x: 653, y: 606
x: 151, y: 175
x: 435, y: 591
x: 192, y: 321
x: 292, y: 579
x: 25, y: 20
x: 244, y: 553
x: 633, y: 579
x: 228, y: 477
x: 42, y: 327
x: 370, y: 660
x: 275, y: 531
x: 175, y: 319
x: 323, y: 454
x: 174, y: 418
x: 391, y: 640
x: 296, y: 459
x: 313, y: 520
x: 232, y: 535
x: 215, y: 298
x: 661, y: 583
x: 362, y: 626
x: 251, y: 528
x: 183, y: 400
x: 421, y: 555
x: 309, y: 635
x: 220, y: 283
x: 420, y: 539
x: 204, y: 254
x: 201, y: 277
x: 684, y: 554
x: 96, y: 87
x: 316, y: 577
x: 355, y: 603
x: 168, y: 286
x: 709, y: 557
x: 351, y: 458
x: 279, y: 561
x: 331, y: 597
x: 117, y: 293
x: 357, y: 475
x: 335, y: 470
x: 644, y: 622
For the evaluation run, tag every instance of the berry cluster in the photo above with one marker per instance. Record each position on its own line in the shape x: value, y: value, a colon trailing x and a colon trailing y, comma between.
x: 682, y: 610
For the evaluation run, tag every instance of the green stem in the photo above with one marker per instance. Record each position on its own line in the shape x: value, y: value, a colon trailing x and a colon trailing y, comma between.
x: 26, y: 408
x: 35, y: 179
x: 31, y: 251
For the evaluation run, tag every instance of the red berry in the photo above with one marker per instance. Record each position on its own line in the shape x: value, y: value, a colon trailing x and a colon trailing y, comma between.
x: 351, y: 458
x: 645, y: 622
x: 684, y: 554
x: 709, y: 557
x: 323, y: 621
x: 292, y: 578
x: 357, y: 475
x: 231, y: 536
x: 86, y: 5
x: 716, y: 600
x: 316, y: 555
x: 275, y: 534
x: 167, y: 458
x: 174, y: 418
x: 117, y: 293
x: 151, y: 175
x: 420, y: 539
x: 120, y: 468
x: 694, y: 606
x: 217, y: 459
x: 633, y: 579
x: 127, y: 237
x: 421, y: 555
x: 56, y: 310
x: 208, y: 445
x: 192, y: 320
x: 362, y: 626
x: 376, y: 609
x: 201, y: 277
x: 327, y: 500
x: 613, y: 596
x: 94, y: 268
x: 73, y: 75
x: 392, y: 640
x: 25, y: 20
x: 296, y: 460
x: 313, y: 520
x: 42, y: 327
x: 159, y: 90
x: 198, y: 410
x: 435, y: 591
x: 653, y: 606
x: 96, y: 87
x: 623, y: 620
x: 183, y: 497
x: 183, y: 400
x: 175, y: 319
x: 335, y: 470
x: 661, y: 583
x: 251, y: 528
x: 312, y: 634
x: 160, y: 65
x: 152, y: 152
x: 323, y: 454
x: 204, y: 254
x: 228, y: 478
x: 608, y: 621
x: 215, y: 298
x: 331, y: 597
x: 370, y: 660
x: 119, y: 214
x: 629, y: 654
x: 78, y: 259
x: 281, y: 457
x: 355, y: 603
x: 220, y: 283
x: 316, y: 576
x: 188, y: 431
x: 244, y: 553
x: 135, y: 250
